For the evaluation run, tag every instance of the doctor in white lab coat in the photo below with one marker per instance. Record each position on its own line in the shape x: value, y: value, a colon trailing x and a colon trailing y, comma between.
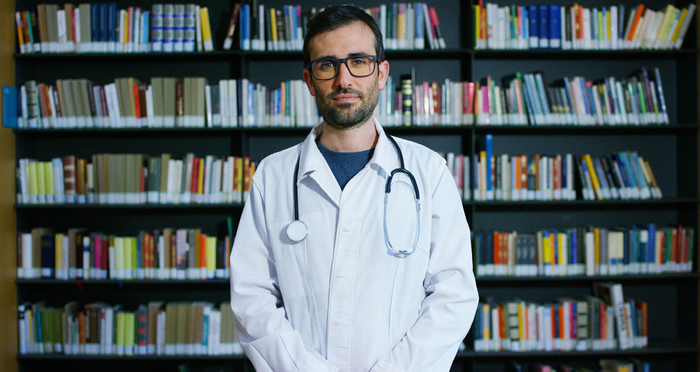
x: 341, y: 299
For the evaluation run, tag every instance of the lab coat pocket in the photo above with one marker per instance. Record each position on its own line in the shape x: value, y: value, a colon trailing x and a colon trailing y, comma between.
x: 291, y: 258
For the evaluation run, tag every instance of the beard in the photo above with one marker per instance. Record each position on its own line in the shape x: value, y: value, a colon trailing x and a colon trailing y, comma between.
x: 343, y: 116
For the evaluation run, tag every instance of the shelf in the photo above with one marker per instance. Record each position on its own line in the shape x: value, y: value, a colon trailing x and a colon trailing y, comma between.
x: 482, y: 129
x: 656, y: 347
x: 224, y: 55
x: 583, y: 204
x: 110, y: 282
x: 62, y: 357
x: 513, y: 54
x: 590, y: 130
x: 481, y: 280
x: 583, y: 279
x: 29, y: 207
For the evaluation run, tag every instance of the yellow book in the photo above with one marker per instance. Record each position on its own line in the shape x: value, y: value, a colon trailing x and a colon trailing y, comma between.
x: 665, y: 24
x: 200, y: 177
x: 596, y: 248
x: 121, y: 332
x: 401, y: 30
x: 129, y: 331
x: 239, y: 177
x: 58, y: 252
x: 594, y: 179
x: 487, y: 315
x: 521, y: 322
x: 20, y: 34
x: 211, y: 255
x: 552, y: 247
x: 273, y: 24
x: 33, y: 181
x: 41, y: 182
x: 206, y: 29
x: 684, y: 13
x: 477, y: 19
x: 599, y: 17
x: 48, y: 179
x: 134, y: 257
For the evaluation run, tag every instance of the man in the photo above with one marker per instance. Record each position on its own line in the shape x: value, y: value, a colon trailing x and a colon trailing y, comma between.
x: 324, y: 275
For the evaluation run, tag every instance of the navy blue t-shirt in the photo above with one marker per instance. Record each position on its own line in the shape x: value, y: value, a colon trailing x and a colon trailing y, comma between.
x: 345, y: 165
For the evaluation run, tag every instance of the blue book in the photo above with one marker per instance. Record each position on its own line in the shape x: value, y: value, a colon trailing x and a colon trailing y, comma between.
x: 419, y: 26
x: 555, y: 26
x: 489, y: 181
x: 594, y: 29
x: 620, y: 22
x: 10, y: 104
x: 145, y: 31
x: 104, y: 25
x: 544, y: 26
x: 574, y: 247
x: 534, y: 30
x: 651, y: 246
x: 138, y: 253
x: 95, y: 24
x: 205, y: 331
x: 112, y: 26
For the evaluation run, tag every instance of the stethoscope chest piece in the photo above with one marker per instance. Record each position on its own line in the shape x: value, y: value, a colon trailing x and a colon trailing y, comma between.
x: 297, y: 231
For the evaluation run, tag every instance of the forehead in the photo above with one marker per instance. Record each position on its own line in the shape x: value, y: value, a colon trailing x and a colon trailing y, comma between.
x: 356, y: 37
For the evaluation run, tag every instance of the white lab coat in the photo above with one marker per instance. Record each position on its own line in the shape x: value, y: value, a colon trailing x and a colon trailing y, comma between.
x: 339, y: 300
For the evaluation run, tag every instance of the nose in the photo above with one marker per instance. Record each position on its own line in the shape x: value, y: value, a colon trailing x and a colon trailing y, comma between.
x: 344, y: 78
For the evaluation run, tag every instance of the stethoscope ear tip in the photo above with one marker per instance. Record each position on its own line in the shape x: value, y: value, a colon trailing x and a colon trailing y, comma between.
x: 297, y: 231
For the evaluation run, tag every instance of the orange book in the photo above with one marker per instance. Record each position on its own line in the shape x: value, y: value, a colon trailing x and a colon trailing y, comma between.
x: 640, y: 9
x: 561, y: 322
x: 496, y: 251
x: 516, y: 184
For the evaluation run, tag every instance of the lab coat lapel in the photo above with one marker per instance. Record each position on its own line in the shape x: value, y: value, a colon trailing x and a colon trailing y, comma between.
x: 312, y: 165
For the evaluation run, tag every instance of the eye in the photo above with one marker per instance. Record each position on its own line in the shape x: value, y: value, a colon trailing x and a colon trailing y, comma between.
x: 326, y: 65
x: 358, y: 61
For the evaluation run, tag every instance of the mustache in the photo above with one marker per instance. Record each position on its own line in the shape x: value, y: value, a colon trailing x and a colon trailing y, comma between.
x: 345, y: 91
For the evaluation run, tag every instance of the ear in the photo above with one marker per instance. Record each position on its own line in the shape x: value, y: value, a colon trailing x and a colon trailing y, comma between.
x: 309, y: 82
x: 383, y: 73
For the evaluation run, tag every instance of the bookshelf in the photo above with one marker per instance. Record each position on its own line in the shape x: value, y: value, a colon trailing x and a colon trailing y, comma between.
x: 672, y: 151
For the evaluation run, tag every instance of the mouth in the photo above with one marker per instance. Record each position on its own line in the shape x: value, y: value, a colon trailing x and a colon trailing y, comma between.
x: 345, y: 98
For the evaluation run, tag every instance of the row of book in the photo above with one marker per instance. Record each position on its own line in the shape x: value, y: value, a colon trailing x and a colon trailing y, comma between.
x: 606, y: 365
x: 155, y: 328
x: 105, y: 28
x: 164, y: 103
x: 168, y: 253
x: 576, y: 27
x: 523, y: 99
x: 134, y: 179
x: 526, y: 99
x: 261, y: 28
x: 605, y: 321
x: 486, y: 177
x: 589, y: 251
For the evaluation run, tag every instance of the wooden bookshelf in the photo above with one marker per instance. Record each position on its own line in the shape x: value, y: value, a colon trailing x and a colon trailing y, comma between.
x: 8, y: 299
x: 673, y: 151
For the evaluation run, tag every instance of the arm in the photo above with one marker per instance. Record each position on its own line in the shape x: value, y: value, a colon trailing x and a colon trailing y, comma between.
x: 265, y: 333
x: 448, y: 310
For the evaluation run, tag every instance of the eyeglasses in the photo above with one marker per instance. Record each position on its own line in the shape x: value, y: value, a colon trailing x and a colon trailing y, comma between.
x: 328, y: 68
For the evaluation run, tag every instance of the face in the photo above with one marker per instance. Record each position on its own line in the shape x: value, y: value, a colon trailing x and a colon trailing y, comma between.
x: 346, y: 101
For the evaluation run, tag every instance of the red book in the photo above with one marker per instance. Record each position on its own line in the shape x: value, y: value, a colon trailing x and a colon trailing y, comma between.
x: 202, y: 251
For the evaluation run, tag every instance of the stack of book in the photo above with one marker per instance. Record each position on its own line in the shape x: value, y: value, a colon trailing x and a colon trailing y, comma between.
x: 156, y: 328
x: 162, y: 254
x: 625, y: 250
x: 605, y: 321
x: 104, y: 28
x: 607, y: 365
x: 134, y: 179
x: 576, y: 27
x: 166, y: 102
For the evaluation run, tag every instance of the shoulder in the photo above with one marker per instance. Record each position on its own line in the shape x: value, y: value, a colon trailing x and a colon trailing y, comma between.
x: 276, y: 166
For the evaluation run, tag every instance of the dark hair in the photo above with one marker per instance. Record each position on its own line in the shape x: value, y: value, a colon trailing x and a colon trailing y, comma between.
x: 335, y: 17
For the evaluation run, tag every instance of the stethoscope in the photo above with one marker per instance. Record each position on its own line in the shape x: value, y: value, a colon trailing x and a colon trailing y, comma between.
x: 297, y: 230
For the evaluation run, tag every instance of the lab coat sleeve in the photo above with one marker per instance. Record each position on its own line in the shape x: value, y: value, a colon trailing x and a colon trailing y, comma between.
x: 452, y: 298
x: 265, y: 333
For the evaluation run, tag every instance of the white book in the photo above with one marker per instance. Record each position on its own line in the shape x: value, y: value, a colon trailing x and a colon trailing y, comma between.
x: 685, y: 26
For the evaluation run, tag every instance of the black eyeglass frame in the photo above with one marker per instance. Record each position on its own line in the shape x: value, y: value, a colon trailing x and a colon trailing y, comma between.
x: 345, y: 62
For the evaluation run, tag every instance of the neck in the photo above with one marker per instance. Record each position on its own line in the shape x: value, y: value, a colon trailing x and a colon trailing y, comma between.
x: 360, y: 138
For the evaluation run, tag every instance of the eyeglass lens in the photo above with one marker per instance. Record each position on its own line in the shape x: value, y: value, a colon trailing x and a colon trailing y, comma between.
x: 358, y: 66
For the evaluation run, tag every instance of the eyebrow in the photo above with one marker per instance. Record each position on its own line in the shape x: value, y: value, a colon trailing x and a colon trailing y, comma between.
x: 349, y: 55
